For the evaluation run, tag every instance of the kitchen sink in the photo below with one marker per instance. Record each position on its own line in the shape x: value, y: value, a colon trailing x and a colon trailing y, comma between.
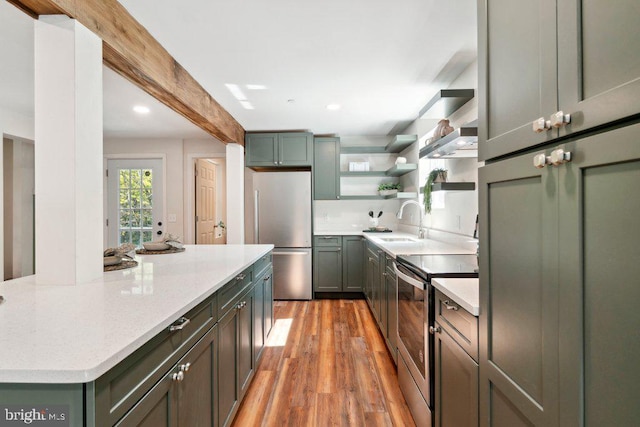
x: 397, y: 239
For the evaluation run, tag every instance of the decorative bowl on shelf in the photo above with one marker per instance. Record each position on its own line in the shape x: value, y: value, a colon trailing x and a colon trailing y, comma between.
x: 156, y: 246
x: 380, y: 228
x: 112, y: 260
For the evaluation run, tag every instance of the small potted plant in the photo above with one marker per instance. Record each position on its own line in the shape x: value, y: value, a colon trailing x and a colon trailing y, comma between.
x: 436, y: 175
x: 387, y: 189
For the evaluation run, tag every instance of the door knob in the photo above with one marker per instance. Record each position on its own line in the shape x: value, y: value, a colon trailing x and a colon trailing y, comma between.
x: 178, y: 376
x: 559, y: 157
x: 435, y: 330
x: 540, y: 125
x: 559, y: 119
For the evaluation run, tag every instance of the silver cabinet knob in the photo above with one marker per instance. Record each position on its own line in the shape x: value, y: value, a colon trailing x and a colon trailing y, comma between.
x: 434, y: 330
x: 559, y: 119
x: 185, y: 367
x: 540, y: 161
x: 178, y: 376
x: 559, y: 157
x: 540, y: 125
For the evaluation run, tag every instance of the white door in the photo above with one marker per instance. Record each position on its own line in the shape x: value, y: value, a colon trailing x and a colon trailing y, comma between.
x: 205, y: 202
x: 135, y: 201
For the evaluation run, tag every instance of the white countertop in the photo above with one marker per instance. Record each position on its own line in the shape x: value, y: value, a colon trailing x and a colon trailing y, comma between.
x: 415, y: 247
x: 464, y: 292
x: 74, y: 334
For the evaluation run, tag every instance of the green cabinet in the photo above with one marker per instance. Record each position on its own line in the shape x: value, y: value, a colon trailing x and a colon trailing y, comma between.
x: 542, y: 57
x: 373, y: 280
x: 337, y: 264
x: 184, y: 396
x: 274, y: 150
x: 262, y: 311
x: 557, y: 255
x: 391, y: 289
x: 326, y: 168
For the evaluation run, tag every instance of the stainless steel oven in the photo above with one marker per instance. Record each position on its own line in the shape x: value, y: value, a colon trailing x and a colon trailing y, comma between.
x: 414, y: 373
x: 415, y: 318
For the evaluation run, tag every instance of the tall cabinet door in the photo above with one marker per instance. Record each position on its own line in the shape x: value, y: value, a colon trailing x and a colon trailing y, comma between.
x: 517, y: 73
x: 599, y: 276
x: 598, y: 61
x: 352, y: 268
x: 326, y: 169
x: 518, y: 294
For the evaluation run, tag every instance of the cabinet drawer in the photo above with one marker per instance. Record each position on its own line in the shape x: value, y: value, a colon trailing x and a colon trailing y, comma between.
x: 230, y: 293
x: 327, y: 240
x: 458, y: 322
x: 262, y: 264
x: 120, y: 388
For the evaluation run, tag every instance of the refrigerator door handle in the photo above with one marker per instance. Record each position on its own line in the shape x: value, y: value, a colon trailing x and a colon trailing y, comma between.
x: 290, y: 253
x: 256, y: 213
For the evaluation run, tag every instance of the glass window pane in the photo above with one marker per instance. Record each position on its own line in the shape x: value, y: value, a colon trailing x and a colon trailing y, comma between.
x: 124, y: 199
x: 135, y: 238
x: 124, y: 178
x: 147, y: 218
x: 147, y: 178
x: 136, y: 174
x: 125, y: 236
x: 125, y: 218
x: 135, y: 219
x: 135, y: 198
x: 147, y: 199
x: 147, y: 236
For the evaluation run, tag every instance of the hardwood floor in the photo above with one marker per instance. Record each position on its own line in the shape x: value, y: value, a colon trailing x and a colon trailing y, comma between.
x: 325, y: 364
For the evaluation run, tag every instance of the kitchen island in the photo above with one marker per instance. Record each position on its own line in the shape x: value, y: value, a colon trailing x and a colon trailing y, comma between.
x: 74, y: 345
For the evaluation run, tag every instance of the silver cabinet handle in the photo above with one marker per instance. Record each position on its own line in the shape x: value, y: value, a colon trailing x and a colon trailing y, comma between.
x: 182, y: 322
x: 540, y: 161
x: 434, y: 330
x: 178, y: 376
x: 240, y: 277
x: 450, y: 306
x: 185, y: 367
x: 559, y: 119
x: 267, y: 278
x: 328, y: 237
x: 540, y: 125
x: 559, y: 157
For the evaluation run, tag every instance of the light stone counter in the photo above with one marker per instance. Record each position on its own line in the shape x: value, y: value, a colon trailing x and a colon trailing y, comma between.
x: 464, y: 292
x: 74, y: 334
x: 414, y: 247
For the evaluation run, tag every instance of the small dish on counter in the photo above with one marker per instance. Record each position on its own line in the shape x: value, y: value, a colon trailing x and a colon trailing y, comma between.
x: 156, y: 246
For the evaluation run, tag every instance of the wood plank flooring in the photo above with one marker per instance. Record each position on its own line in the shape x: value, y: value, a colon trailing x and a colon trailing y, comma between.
x: 325, y: 364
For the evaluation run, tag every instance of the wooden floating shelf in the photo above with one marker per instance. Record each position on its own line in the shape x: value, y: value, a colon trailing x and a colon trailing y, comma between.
x: 445, y: 102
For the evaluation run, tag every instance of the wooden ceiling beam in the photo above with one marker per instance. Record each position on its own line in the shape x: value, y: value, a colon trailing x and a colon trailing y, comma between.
x: 130, y: 50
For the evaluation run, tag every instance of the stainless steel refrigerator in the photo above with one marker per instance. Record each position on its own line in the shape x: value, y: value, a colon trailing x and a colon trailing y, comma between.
x: 282, y: 217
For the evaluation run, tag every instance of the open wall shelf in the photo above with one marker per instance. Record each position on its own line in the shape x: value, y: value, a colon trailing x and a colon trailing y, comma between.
x: 452, y: 186
x: 395, y: 171
x: 445, y: 102
x: 399, y: 195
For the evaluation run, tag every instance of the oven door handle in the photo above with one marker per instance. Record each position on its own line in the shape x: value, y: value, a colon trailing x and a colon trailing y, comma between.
x: 410, y: 280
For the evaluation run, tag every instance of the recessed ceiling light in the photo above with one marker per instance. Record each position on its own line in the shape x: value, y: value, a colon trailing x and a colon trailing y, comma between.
x: 247, y: 105
x: 256, y: 87
x: 236, y: 91
x: 141, y: 109
x: 333, y: 107
x: 291, y: 101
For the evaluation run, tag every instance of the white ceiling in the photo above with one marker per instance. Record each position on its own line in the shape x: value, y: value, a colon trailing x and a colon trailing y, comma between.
x: 380, y: 60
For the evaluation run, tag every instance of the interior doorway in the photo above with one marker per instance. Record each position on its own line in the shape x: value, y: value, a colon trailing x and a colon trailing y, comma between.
x: 134, y: 201
x: 209, y: 230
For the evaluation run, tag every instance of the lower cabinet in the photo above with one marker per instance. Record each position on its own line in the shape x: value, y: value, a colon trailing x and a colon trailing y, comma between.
x: 456, y: 365
x: 185, y: 396
x: 337, y: 264
x: 391, y: 290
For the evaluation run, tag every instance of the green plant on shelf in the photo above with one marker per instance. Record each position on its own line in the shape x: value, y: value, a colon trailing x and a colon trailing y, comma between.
x: 436, y: 175
x: 389, y: 186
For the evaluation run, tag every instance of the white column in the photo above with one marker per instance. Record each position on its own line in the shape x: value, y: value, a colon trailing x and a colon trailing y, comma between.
x: 235, y: 194
x: 68, y: 152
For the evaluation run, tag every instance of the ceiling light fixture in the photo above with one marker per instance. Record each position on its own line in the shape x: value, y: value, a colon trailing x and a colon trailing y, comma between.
x: 141, y: 109
x: 236, y: 91
x: 256, y: 87
x: 333, y: 107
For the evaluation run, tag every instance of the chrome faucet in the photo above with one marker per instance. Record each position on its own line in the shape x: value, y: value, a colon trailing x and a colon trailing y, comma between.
x: 420, y: 207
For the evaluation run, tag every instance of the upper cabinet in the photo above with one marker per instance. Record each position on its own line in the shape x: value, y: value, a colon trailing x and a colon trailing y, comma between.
x: 550, y: 68
x: 276, y: 150
x: 326, y: 168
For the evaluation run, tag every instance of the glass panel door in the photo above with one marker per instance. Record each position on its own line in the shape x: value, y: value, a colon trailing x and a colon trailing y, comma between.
x: 135, y: 202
